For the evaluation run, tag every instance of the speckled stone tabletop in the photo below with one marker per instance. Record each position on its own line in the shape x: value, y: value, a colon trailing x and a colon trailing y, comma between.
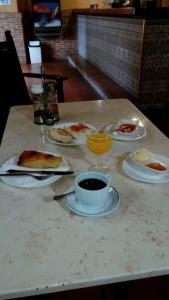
x: 46, y: 248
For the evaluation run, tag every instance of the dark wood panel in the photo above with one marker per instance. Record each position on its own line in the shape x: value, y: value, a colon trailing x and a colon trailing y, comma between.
x: 24, y: 5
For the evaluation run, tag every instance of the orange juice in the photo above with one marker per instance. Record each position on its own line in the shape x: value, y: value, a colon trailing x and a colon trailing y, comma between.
x: 99, y: 143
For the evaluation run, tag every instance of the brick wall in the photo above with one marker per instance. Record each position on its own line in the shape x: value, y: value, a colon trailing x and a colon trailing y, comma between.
x: 52, y: 48
x: 63, y: 45
x: 13, y: 22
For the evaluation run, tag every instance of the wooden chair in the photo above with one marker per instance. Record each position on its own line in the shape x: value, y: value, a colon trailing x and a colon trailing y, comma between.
x: 13, y: 89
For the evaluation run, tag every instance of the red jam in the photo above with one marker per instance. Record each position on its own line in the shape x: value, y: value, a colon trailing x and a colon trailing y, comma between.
x: 79, y: 127
x: 127, y: 128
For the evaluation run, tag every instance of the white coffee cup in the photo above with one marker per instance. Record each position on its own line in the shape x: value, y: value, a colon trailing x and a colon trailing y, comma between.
x: 92, y: 199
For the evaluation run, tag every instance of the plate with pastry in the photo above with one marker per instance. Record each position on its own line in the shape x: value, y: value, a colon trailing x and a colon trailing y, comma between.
x: 31, y: 160
x: 69, y: 133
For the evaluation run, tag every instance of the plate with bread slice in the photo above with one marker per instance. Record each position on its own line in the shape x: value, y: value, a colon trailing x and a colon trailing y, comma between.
x: 31, y: 160
x: 69, y: 133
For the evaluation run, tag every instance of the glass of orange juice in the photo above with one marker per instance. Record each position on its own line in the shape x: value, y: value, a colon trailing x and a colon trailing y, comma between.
x: 99, y: 144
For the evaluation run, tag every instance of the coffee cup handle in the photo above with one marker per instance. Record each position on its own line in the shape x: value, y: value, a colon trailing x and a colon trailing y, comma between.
x: 109, y: 177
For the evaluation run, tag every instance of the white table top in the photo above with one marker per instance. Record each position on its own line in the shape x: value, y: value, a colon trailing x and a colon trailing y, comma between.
x: 46, y: 248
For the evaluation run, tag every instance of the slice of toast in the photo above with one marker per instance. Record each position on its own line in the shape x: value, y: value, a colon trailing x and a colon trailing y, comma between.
x: 60, y: 135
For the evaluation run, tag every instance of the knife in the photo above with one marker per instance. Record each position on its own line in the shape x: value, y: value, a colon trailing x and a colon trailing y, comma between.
x: 20, y: 172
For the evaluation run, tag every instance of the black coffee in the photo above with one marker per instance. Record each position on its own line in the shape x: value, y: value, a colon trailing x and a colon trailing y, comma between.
x: 92, y: 184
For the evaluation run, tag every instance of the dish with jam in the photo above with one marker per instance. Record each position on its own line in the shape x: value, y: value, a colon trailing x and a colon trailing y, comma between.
x: 126, y: 130
x: 143, y: 177
x: 149, y: 163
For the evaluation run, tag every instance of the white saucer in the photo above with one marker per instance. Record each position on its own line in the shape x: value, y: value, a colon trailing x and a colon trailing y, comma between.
x: 110, y: 205
x: 139, y: 133
x: 140, y: 176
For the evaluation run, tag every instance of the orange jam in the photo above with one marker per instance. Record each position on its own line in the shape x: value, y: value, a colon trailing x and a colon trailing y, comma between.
x: 156, y: 166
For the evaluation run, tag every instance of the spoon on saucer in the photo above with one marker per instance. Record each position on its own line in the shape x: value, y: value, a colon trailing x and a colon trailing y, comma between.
x: 60, y: 196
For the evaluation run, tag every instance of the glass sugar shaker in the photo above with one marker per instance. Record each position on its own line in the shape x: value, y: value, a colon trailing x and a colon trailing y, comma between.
x: 37, y: 92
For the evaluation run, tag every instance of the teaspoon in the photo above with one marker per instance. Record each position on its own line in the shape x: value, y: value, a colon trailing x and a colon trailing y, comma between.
x: 59, y: 197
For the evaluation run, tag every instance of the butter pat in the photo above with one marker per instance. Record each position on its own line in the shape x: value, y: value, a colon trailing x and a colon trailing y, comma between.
x: 140, y: 155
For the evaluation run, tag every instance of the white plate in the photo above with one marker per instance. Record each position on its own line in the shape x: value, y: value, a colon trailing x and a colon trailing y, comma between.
x: 77, y: 141
x: 110, y: 205
x: 28, y: 181
x: 152, y: 157
x: 140, y: 176
x: 139, y: 133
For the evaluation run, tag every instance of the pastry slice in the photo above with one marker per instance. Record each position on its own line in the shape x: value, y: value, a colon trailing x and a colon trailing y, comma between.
x: 39, y: 160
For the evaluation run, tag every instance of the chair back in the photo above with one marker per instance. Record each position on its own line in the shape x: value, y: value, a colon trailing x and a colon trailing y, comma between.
x: 12, y: 83
x: 11, y: 76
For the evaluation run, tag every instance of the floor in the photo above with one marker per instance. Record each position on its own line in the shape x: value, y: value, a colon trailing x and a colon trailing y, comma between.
x: 76, y: 89
x: 110, y: 89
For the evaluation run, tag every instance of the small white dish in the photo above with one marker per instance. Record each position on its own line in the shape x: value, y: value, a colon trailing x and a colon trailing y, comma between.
x: 142, y: 177
x: 134, y: 122
x: 110, y: 205
x: 81, y: 140
x: 28, y: 181
x: 138, y: 133
x: 149, y: 158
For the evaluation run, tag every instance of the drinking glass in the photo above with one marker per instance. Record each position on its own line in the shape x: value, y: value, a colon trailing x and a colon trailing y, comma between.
x: 99, y: 144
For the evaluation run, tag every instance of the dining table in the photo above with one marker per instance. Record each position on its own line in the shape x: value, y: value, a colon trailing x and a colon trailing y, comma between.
x: 45, y: 246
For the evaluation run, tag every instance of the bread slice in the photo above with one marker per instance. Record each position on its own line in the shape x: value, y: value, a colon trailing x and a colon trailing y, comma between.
x: 39, y: 160
x: 60, y: 135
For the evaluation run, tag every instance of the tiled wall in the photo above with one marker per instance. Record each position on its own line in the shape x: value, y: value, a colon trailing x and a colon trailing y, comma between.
x: 114, y: 46
x: 154, y: 81
x: 13, y: 22
x: 133, y: 55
